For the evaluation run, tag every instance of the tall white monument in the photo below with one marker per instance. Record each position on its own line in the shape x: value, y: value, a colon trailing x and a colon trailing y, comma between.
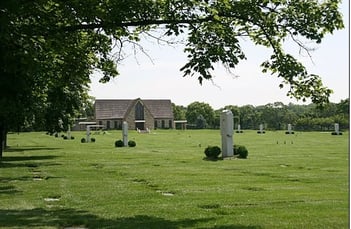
x: 289, y: 130
x: 125, y: 133
x: 88, y: 133
x: 69, y: 136
x: 336, y: 127
x: 227, y: 125
x: 261, y: 131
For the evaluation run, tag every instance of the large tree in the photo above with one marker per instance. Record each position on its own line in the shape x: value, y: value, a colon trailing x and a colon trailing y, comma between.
x: 200, y: 114
x: 50, y: 47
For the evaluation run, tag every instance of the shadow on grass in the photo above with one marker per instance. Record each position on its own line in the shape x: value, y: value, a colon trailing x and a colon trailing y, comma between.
x: 213, y: 159
x: 28, y: 158
x: 71, y: 218
x: 26, y: 164
x: 22, y: 149
x: 8, y: 189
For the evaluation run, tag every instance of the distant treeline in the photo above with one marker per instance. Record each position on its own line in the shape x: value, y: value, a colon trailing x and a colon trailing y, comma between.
x: 274, y: 116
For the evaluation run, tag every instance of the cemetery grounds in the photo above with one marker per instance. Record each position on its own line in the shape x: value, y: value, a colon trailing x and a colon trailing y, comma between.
x: 288, y: 181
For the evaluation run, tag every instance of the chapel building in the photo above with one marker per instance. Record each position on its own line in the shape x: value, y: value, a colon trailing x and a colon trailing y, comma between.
x: 148, y: 114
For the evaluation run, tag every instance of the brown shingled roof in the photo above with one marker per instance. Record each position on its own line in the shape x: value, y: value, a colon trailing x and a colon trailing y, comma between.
x: 111, y: 109
x: 117, y: 108
x: 159, y: 108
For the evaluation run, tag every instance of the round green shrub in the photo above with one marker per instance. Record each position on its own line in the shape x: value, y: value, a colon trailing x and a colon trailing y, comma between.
x: 235, y: 150
x: 92, y: 139
x: 72, y: 137
x: 65, y: 137
x: 119, y: 143
x: 212, y: 151
x: 241, y: 151
x: 131, y: 143
x: 82, y: 140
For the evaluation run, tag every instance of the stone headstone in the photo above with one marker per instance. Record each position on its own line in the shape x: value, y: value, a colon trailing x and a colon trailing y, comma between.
x: 261, y: 128
x: 88, y: 133
x: 227, y: 125
x: 261, y: 131
x: 289, y: 128
x: 125, y: 133
x: 336, y: 127
x: 69, y: 132
x: 239, y: 127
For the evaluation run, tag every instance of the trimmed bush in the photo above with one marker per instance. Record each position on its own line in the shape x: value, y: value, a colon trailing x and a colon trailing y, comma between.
x: 212, y: 151
x: 92, y: 140
x: 131, y: 143
x: 119, y: 143
x: 72, y: 137
x: 241, y: 151
x: 82, y: 140
x: 235, y: 149
x: 65, y: 137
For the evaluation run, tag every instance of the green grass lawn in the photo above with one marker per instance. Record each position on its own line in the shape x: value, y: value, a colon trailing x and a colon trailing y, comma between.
x: 288, y: 181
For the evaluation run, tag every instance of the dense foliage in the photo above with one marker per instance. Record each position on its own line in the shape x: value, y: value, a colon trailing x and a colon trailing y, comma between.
x: 274, y: 116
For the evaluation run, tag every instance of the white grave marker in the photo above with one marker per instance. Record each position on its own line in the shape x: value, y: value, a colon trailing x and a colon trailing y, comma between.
x: 69, y: 132
x: 227, y: 133
x: 336, y: 127
x: 289, y: 130
x: 261, y: 131
x: 125, y: 133
x: 88, y: 130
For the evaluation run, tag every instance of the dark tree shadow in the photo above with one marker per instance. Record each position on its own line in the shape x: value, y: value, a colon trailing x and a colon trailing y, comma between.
x: 33, y: 148
x: 8, y: 189
x: 26, y: 164
x: 28, y: 158
x: 64, y: 218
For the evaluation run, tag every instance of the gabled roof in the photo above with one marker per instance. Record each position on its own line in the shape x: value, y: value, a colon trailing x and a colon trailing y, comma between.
x: 111, y: 109
x: 118, y: 108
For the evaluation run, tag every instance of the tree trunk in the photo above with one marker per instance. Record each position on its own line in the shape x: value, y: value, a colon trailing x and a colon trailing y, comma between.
x: 2, y: 140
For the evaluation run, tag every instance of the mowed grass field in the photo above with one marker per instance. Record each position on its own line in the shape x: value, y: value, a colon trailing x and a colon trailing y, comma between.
x: 288, y: 181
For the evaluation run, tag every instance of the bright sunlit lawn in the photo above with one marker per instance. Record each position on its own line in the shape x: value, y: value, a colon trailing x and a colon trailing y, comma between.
x: 288, y: 181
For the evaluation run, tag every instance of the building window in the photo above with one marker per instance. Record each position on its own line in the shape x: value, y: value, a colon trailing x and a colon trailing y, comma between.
x: 163, y: 124
x: 116, y: 124
x: 100, y: 122
x: 108, y: 124
x: 139, y: 111
x: 170, y: 123
x: 155, y: 123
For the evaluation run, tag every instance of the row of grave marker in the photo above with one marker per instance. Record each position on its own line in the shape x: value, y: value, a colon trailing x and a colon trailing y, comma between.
x: 261, y: 130
x: 226, y: 127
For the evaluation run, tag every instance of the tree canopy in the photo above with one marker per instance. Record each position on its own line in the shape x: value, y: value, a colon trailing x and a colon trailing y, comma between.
x: 49, y: 48
x: 275, y: 116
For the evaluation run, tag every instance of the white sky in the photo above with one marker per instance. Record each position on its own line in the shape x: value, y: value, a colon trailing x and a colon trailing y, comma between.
x: 161, y: 79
